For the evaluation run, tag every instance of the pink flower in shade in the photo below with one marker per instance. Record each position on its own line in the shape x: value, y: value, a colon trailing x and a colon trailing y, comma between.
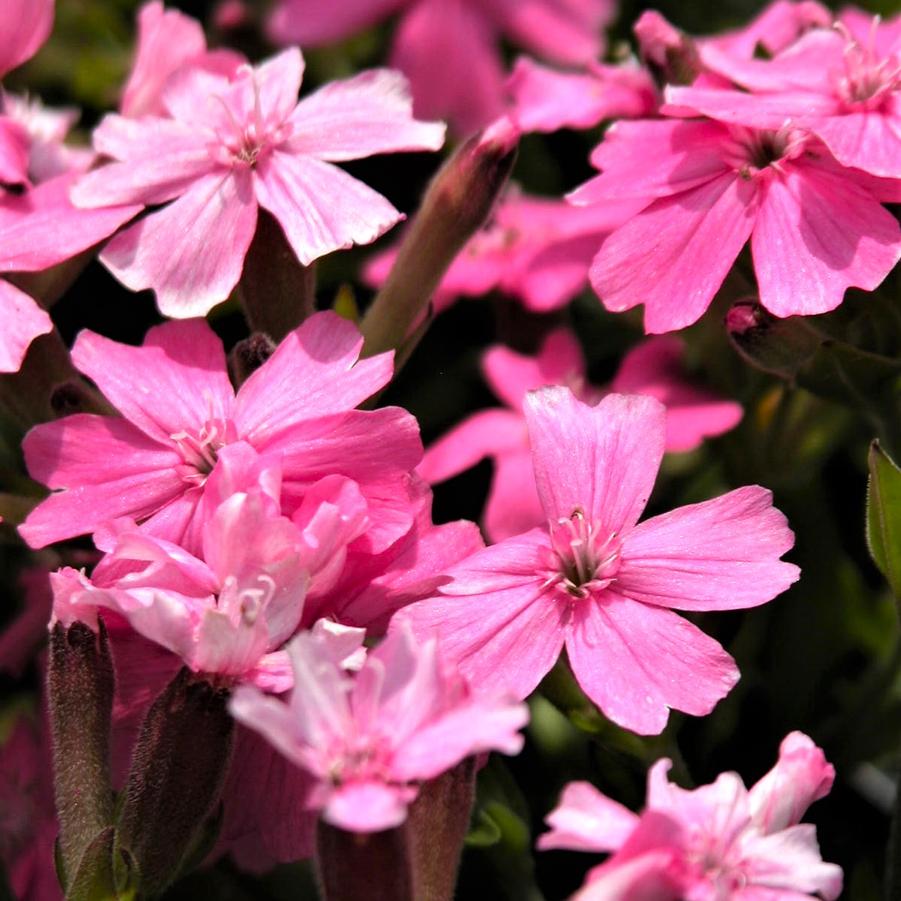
x: 179, y: 410
x: 843, y: 86
x: 168, y: 41
x: 601, y: 584
x: 653, y: 368
x: 232, y: 146
x: 535, y: 249
x: 720, y: 841
x: 367, y: 740
x: 28, y: 824
x: 468, y: 86
x: 24, y: 26
x: 815, y: 229
x: 27, y: 631
x: 546, y: 100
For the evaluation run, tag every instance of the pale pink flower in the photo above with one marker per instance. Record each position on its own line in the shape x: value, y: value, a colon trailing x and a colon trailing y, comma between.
x: 232, y: 146
x: 226, y: 613
x: 168, y: 41
x: 28, y: 824
x: 179, y: 410
x: 842, y: 85
x: 654, y: 368
x: 468, y: 86
x: 535, y: 249
x: 24, y: 26
x: 368, y: 740
x: 545, y: 99
x: 719, y: 841
x: 601, y: 584
x: 815, y: 229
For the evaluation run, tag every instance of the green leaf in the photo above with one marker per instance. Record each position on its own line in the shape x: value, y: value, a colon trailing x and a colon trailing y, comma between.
x: 884, y: 516
x: 96, y: 879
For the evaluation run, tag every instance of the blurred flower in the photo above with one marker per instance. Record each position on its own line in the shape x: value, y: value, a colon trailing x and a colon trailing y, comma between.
x: 367, y: 740
x: 468, y: 87
x: 233, y: 145
x: 179, y: 410
x: 653, y: 368
x: 599, y: 583
x: 535, y: 249
x: 719, y: 841
x: 28, y: 824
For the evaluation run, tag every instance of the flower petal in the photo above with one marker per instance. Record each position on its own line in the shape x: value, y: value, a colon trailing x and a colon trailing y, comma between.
x: 721, y: 554
x: 217, y: 213
x: 602, y: 460
x: 636, y: 661
x: 320, y: 207
x: 23, y: 320
x: 361, y: 116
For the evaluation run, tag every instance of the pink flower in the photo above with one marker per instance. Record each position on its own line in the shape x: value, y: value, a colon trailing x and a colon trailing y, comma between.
x: 38, y: 229
x: 369, y: 739
x: 815, y: 229
x: 24, y: 26
x: 468, y: 86
x: 546, y: 100
x: 599, y: 583
x: 653, y: 368
x: 718, y: 841
x: 168, y: 41
x: 842, y: 85
x: 232, y: 146
x: 535, y: 249
x: 179, y: 410
x: 28, y: 824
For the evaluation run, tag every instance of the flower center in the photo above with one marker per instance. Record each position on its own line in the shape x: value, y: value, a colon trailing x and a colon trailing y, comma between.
x: 360, y: 760
x: 199, y: 450
x: 753, y: 151
x: 868, y: 81
x: 585, y: 559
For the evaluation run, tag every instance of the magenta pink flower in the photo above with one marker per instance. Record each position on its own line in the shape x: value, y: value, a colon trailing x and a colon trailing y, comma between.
x: 179, y: 410
x: 653, y: 368
x: 535, y: 249
x: 815, y: 229
x: 546, y: 100
x: 720, y: 841
x: 368, y: 740
x: 842, y: 85
x: 28, y: 824
x: 468, y: 86
x: 168, y: 41
x: 232, y: 146
x: 601, y: 584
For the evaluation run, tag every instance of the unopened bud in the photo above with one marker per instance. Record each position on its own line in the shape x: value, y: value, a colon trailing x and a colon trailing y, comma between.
x: 669, y: 53
x: 370, y: 865
x: 80, y: 688
x: 799, y: 350
x: 456, y: 204
x: 248, y: 356
x: 436, y: 825
x: 177, y: 771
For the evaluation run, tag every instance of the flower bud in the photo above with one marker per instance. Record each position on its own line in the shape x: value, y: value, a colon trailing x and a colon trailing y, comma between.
x: 177, y: 771
x: 668, y: 52
x: 371, y: 865
x: 248, y: 355
x: 80, y: 688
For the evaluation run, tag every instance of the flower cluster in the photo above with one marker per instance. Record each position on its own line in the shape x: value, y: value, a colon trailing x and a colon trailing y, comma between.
x: 264, y: 643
